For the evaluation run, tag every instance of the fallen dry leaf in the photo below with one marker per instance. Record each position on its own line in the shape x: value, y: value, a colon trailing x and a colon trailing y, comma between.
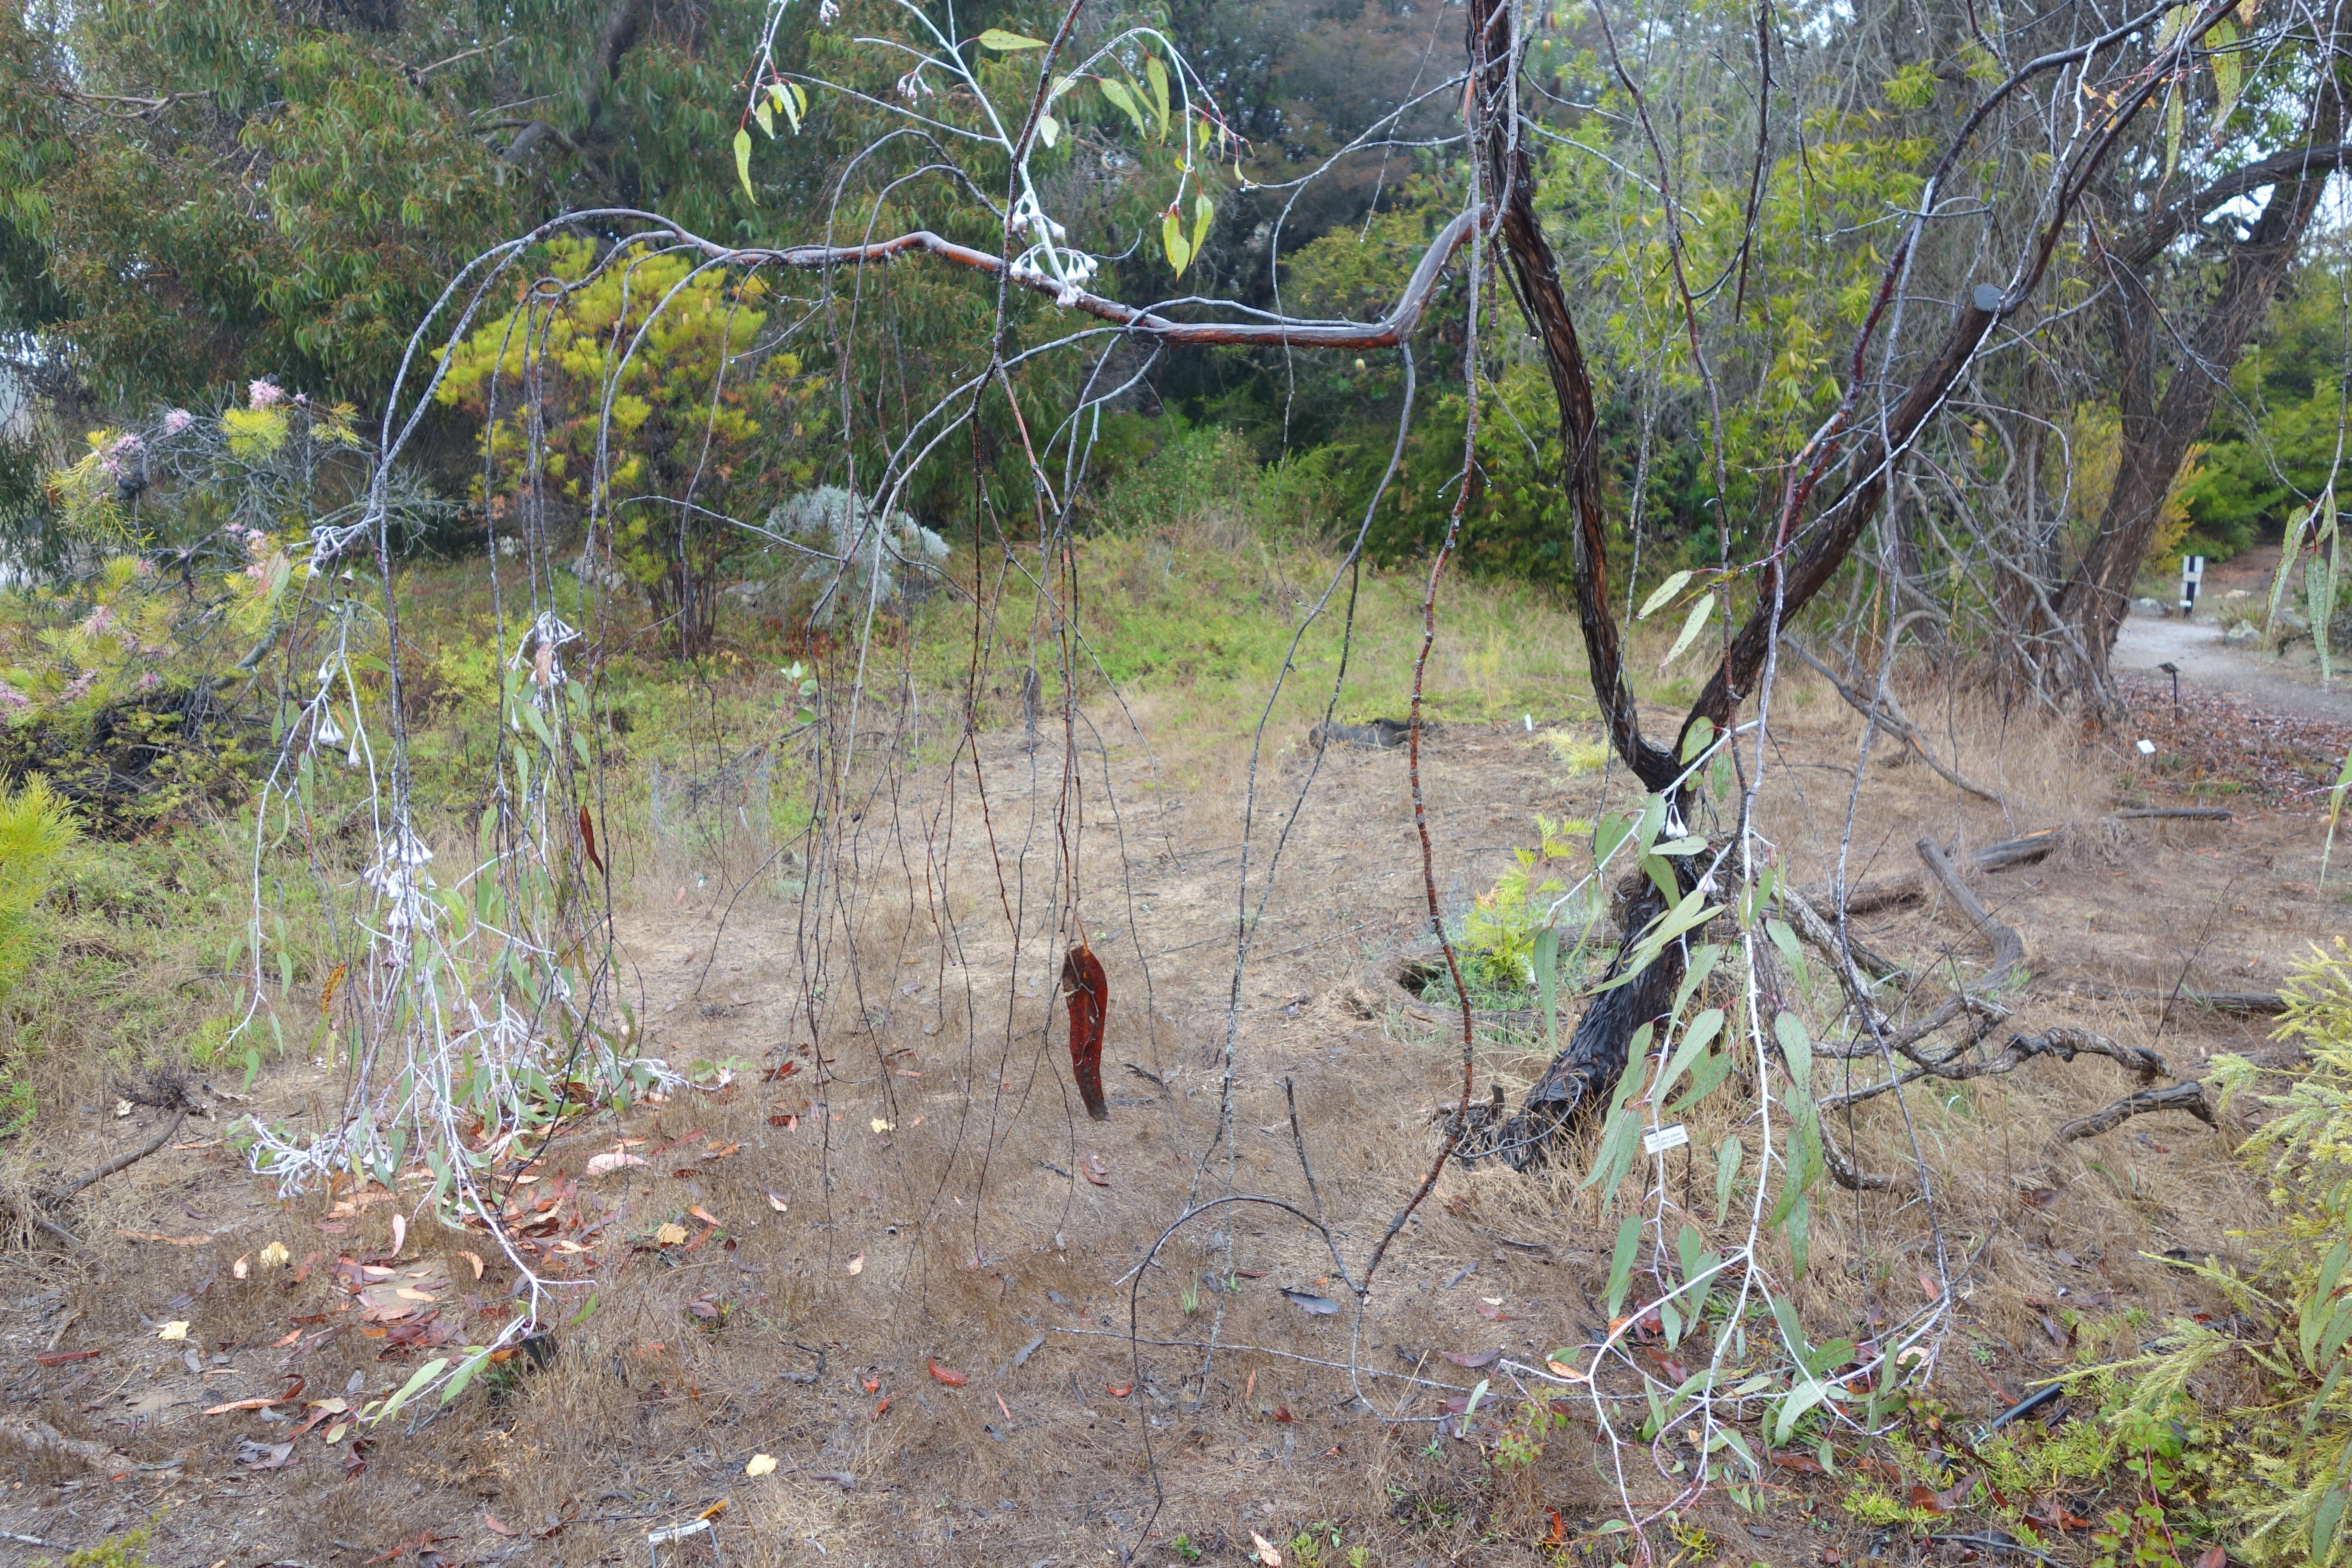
x: 1121, y: 1392
x: 1309, y: 1302
x: 776, y: 1200
x: 497, y: 1528
x: 399, y: 1233
x: 705, y: 1215
x: 613, y: 1160
x: 1492, y: 1314
x: 286, y: 1339
x: 947, y: 1375
x: 264, y: 1456
x: 1094, y: 1171
x: 671, y: 1233
x: 760, y: 1465
x: 855, y: 1264
x: 235, y: 1405
x: 166, y: 1240
x: 475, y: 1258
x: 239, y: 1269
x: 1266, y: 1554
x: 177, y: 1329
x: 1474, y: 1362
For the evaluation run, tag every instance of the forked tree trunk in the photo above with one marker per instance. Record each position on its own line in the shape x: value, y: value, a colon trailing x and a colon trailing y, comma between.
x: 1818, y: 535
x: 2158, y: 428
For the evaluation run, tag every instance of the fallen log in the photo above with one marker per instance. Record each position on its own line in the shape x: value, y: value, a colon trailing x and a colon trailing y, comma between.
x: 2211, y: 1001
x: 2022, y: 850
x: 2008, y: 947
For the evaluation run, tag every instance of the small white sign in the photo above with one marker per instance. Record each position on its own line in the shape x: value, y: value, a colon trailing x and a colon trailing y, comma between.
x: 1674, y: 1135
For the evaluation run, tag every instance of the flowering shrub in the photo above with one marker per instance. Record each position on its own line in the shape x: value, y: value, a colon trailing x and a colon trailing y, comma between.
x: 133, y: 679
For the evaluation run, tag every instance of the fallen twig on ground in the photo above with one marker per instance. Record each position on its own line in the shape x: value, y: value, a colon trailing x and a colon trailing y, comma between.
x: 2189, y: 1096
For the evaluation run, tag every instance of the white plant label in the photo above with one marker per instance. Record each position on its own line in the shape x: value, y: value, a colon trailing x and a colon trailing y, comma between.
x: 1658, y: 1141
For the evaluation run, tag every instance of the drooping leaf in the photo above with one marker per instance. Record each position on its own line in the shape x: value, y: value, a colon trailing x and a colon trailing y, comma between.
x: 1662, y: 593
x: 1727, y: 1171
x: 1620, y: 1261
x: 1693, y: 625
x: 2228, y: 73
x: 1116, y: 91
x: 1007, y: 43
x: 415, y: 1384
x: 743, y: 163
x: 1171, y: 236
x: 1157, y: 75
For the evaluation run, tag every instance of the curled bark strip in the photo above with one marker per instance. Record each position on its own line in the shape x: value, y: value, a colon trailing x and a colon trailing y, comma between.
x: 2062, y: 1043
x: 1891, y: 717
x: 2008, y: 947
x: 1089, y: 998
x: 2189, y: 1096
x: 1853, y: 1178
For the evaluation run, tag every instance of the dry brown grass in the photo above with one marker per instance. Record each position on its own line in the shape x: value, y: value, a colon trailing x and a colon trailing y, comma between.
x: 979, y: 1231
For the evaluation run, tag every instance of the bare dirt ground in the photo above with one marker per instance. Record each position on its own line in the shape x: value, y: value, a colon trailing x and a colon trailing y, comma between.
x: 911, y: 1264
x: 2237, y: 671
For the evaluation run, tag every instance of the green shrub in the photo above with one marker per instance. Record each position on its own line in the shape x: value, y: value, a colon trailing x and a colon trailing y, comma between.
x: 36, y: 831
x: 2283, y: 1475
x: 128, y: 1550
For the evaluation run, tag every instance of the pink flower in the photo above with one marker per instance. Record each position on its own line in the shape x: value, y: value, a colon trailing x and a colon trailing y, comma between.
x: 127, y: 445
x: 10, y: 698
x: 98, y: 620
x: 144, y: 567
x: 150, y: 681
x: 263, y: 394
x: 177, y: 420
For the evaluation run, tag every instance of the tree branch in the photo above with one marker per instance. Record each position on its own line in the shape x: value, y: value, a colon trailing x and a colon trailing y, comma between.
x: 1387, y: 332
x: 2186, y: 213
